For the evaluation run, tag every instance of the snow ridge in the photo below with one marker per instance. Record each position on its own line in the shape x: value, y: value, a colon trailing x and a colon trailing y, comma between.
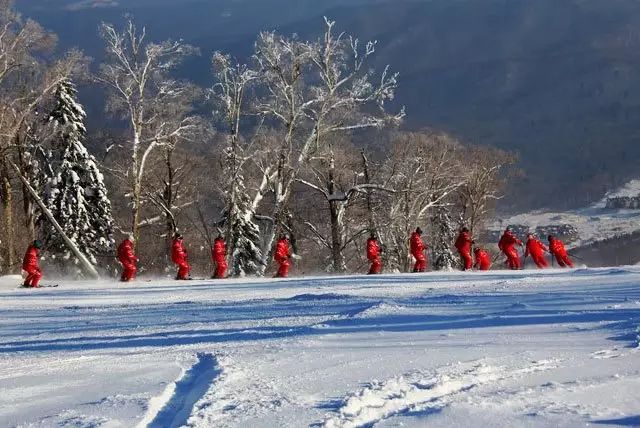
x: 174, y: 406
x: 417, y: 392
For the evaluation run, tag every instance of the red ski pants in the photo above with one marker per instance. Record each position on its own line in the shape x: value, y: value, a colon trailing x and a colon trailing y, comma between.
x: 284, y: 266
x: 34, y: 275
x: 376, y: 266
x: 539, y: 260
x: 128, y: 272
x: 183, y: 270
x: 563, y: 260
x: 421, y: 262
x: 513, y: 259
x: 221, y: 269
x: 467, y: 260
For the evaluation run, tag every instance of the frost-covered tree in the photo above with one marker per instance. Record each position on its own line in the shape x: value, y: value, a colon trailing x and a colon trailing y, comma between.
x: 246, y: 255
x: 444, y: 233
x: 76, y: 195
x: 242, y: 232
x: 137, y: 72
x: 316, y: 90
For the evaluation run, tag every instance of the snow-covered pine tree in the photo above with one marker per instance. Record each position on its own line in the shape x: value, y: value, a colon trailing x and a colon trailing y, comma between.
x: 244, y: 234
x: 245, y: 238
x: 444, y: 235
x: 76, y: 194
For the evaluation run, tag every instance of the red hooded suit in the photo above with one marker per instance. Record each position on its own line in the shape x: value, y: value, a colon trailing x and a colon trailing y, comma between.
x: 128, y: 260
x: 556, y: 247
x: 507, y: 245
x: 282, y: 256
x: 536, y: 249
x: 30, y: 265
x: 483, y: 259
x: 179, y: 257
x: 219, y: 254
x: 373, y: 255
x: 463, y: 245
x: 417, y: 251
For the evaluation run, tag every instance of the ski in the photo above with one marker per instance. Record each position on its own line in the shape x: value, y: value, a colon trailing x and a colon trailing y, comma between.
x: 41, y: 286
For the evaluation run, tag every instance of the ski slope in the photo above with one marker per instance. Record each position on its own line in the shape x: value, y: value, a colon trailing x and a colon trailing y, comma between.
x: 499, y: 349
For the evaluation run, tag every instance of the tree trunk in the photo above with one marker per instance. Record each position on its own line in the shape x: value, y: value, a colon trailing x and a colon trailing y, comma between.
x: 8, y: 226
x: 337, y: 209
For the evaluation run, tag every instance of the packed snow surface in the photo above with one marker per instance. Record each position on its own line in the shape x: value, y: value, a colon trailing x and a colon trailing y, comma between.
x: 496, y: 349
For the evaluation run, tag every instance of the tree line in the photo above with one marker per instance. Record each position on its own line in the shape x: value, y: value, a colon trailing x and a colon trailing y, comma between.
x: 302, y: 138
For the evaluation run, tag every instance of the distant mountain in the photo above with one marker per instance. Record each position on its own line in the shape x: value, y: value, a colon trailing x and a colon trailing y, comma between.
x: 555, y: 80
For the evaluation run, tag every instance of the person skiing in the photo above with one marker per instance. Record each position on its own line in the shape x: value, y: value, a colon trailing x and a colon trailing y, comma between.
x: 418, y: 251
x: 128, y: 259
x: 536, y: 249
x: 463, y: 245
x: 30, y: 265
x: 373, y: 255
x: 483, y: 259
x: 507, y: 245
x: 179, y: 257
x: 557, y: 250
x: 219, y: 254
x: 282, y: 256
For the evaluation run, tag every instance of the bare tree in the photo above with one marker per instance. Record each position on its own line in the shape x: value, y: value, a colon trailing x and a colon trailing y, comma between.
x: 484, y: 181
x: 315, y: 90
x: 425, y: 170
x: 142, y: 92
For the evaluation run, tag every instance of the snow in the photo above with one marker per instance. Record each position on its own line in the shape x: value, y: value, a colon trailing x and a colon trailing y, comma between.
x: 594, y: 223
x: 500, y: 349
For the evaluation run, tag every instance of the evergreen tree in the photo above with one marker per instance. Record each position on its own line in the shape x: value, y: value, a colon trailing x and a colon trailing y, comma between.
x: 245, y: 238
x: 244, y: 233
x: 76, y: 194
x: 444, y: 232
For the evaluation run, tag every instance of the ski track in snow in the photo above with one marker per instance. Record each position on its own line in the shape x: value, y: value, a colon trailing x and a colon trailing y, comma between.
x: 173, y: 408
x: 419, y: 392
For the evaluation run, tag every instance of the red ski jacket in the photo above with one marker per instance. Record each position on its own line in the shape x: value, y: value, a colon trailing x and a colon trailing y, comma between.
x: 178, y: 252
x: 219, y: 249
x: 508, y: 242
x: 282, y: 250
x: 30, y: 261
x: 417, y: 246
x: 557, y: 247
x: 125, y: 253
x: 373, y: 249
x: 483, y: 259
x: 535, y: 248
x: 464, y: 242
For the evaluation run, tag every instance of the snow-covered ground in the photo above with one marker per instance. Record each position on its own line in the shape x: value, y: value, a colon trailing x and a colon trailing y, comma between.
x: 593, y: 223
x: 496, y: 349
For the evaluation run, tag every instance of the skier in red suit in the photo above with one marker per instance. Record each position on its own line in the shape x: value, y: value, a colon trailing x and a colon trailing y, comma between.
x: 179, y: 257
x: 373, y: 255
x: 483, y: 259
x: 417, y: 251
x: 556, y: 247
x: 463, y: 245
x: 282, y: 256
x: 536, y: 249
x: 127, y: 257
x: 219, y: 254
x: 507, y: 245
x: 30, y: 265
